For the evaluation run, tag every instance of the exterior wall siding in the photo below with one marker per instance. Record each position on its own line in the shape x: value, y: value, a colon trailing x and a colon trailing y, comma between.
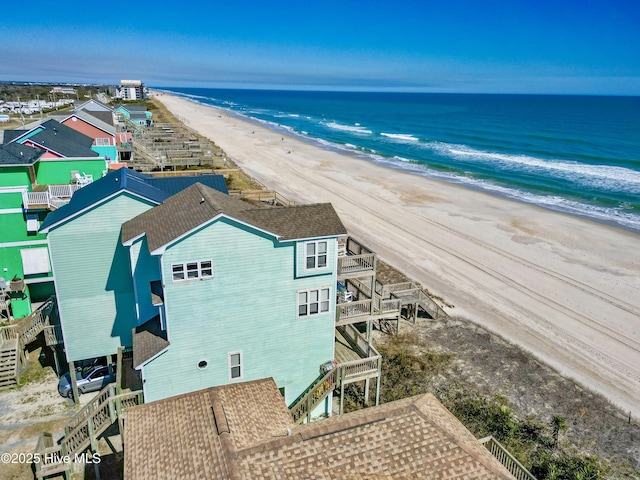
x: 93, y: 278
x: 89, y: 130
x: 15, y: 176
x: 250, y: 305
x: 10, y: 200
x: 146, y: 268
x: 58, y: 172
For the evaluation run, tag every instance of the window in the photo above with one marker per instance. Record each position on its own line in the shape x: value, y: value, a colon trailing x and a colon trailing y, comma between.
x: 316, y: 254
x: 202, y: 364
x: 313, y: 302
x: 192, y: 270
x: 103, y: 142
x: 235, y: 365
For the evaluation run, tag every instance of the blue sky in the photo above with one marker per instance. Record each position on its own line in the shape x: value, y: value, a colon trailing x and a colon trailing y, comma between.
x: 491, y: 46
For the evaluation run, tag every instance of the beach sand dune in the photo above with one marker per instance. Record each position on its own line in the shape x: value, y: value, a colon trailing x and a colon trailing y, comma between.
x: 563, y: 288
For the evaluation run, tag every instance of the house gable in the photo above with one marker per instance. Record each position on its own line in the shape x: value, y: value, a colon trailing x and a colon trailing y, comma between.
x: 94, y: 286
x: 247, y: 304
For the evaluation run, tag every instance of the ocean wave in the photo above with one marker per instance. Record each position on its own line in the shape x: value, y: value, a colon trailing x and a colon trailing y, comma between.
x: 605, y: 177
x: 618, y: 215
x: 401, y: 137
x: 357, y: 128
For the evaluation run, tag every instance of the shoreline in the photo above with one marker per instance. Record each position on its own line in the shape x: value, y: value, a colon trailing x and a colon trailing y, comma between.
x: 562, y: 287
x: 571, y: 207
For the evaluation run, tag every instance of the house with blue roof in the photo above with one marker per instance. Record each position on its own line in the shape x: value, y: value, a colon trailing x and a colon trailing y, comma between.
x: 95, y: 293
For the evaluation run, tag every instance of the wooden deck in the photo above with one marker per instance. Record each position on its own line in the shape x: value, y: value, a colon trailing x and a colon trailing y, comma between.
x: 344, y: 352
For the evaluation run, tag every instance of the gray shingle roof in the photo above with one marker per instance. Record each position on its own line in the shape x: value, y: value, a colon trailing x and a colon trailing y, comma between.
x: 198, y: 204
x: 17, y: 154
x: 64, y: 140
x: 241, y: 431
x: 105, y: 117
x: 101, y: 120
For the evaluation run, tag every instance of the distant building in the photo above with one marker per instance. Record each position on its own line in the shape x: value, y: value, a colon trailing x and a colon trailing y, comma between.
x: 131, y: 90
x: 63, y: 90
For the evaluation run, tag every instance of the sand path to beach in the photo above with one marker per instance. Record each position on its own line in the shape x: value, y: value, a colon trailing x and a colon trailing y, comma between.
x: 563, y: 288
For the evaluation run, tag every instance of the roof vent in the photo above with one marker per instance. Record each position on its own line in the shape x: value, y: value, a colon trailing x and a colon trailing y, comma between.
x: 201, y: 200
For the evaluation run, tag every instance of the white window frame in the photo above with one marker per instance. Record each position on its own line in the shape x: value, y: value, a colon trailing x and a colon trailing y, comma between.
x: 318, y: 297
x: 198, y: 270
x: 317, y: 255
x: 103, y: 142
x: 231, y: 366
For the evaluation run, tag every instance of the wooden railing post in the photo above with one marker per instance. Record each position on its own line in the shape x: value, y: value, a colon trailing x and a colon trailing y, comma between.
x: 92, y: 438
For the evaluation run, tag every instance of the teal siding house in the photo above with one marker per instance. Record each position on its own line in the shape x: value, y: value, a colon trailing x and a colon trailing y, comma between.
x: 136, y: 114
x: 94, y: 285
x: 227, y: 291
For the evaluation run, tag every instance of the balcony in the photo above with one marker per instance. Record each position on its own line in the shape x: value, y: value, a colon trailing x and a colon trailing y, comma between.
x: 355, y: 260
x: 49, y: 197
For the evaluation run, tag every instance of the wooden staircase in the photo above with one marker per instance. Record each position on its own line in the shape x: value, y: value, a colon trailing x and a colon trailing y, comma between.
x: 505, y: 458
x: 319, y: 390
x: 8, y: 363
x: 82, y: 431
x: 14, y: 338
x: 410, y: 294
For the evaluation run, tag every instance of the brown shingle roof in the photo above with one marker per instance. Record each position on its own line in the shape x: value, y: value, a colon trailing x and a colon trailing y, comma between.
x: 245, y: 433
x: 148, y: 340
x: 198, y: 204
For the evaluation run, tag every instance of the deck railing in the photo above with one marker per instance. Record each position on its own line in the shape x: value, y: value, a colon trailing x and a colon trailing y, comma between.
x: 52, y: 335
x: 301, y: 409
x: 391, y: 305
x: 28, y: 327
x: 53, y: 197
x: 353, y: 264
x: 350, y: 310
x: 409, y: 292
x: 505, y: 458
x: 356, y: 370
x: 23, y: 333
x: 83, y: 430
x: 268, y: 196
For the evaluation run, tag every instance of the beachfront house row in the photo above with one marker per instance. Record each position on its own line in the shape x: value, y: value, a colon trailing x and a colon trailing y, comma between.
x: 94, y: 289
x: 207, y: 289
x: 227, y: 291
x: 34, y: 181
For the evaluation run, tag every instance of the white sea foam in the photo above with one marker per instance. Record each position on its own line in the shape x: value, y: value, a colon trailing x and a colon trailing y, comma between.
x: 357, y: 128
x: 604, y: 177
x: 615, y: 215
x: 401, y: 137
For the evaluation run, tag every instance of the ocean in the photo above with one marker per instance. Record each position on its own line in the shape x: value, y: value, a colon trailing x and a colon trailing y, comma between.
x: 575, y: 154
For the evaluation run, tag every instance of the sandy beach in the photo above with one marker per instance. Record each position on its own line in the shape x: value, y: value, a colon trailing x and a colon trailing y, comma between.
x: 563, y: 288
